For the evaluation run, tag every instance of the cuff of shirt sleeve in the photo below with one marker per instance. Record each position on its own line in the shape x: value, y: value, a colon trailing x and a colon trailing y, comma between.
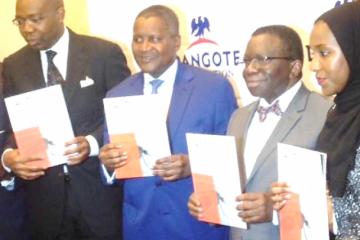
x: 8, y: 184
x: 2, y: 160
x: 275, y: 218
x: 94, y: 146
x: 334, y: 225
x: 109, y: 178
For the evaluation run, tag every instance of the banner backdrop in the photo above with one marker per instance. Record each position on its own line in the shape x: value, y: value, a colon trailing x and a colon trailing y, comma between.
x: 214, y: 34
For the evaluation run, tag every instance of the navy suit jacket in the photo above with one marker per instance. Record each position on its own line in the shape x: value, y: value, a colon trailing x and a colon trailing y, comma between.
x: 202, y: 102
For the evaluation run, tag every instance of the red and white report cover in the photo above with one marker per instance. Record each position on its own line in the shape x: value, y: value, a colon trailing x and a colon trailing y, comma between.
x: 41, y: 124
x: 304, y: 216
x: 138, y: 124
x: 216, y: 177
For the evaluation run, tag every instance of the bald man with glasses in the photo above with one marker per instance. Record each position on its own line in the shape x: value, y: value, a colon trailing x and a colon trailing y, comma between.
x: 65, y: 201
x: 286, y: 112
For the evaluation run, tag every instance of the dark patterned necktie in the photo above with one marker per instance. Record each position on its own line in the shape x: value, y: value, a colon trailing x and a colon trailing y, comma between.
x: 275, y: 108
x: 53, y: 74
x: 155, y: 85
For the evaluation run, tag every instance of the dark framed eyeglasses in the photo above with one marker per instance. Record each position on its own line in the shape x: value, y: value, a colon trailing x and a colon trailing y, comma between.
x: 309, y: 53
x: 31, y: 20
x: 35, y: 19
x: 264, y: 60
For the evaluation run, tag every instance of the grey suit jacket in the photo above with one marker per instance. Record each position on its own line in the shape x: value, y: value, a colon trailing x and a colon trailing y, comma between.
x: 299, y: 125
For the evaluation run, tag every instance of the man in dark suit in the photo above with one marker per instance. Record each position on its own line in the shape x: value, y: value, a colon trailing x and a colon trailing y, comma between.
x: 11, y: 199
x: 67, y: 201
x: 273, y: 68
x: 4, y: 124
x: 199, y: 102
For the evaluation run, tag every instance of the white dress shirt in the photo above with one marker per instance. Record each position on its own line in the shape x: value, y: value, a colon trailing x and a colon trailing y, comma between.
x: 61, y: 47
x: 259, y: 132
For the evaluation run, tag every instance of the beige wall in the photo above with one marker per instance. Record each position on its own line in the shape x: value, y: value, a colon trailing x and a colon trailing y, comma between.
x: 10, y: 38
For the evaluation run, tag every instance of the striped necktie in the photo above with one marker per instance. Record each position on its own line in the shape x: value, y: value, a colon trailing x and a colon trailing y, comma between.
x: 155, y: 85
x: 53, y: 74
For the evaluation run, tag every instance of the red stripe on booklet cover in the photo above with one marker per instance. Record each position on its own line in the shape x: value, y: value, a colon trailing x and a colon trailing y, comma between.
x: 291, y: 220
x: 133, y: 167
x: 31, y: 143
x: 205, y: 192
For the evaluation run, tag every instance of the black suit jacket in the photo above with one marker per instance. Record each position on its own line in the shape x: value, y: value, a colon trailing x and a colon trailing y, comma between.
x: 11, y: 202
x: 4, y: 125
x: 105, y: 64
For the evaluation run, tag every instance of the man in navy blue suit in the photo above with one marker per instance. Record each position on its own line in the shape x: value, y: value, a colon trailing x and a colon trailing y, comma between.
x: 199, y: 101
x: 11, y: 199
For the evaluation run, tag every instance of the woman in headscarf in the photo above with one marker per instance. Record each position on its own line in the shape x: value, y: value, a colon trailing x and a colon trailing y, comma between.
x: 335, y: 52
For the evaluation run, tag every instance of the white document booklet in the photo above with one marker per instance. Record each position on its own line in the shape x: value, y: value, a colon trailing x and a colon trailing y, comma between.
x: 305, y: 215
x: 138, y: 124
x: 41, y: 124
x: 216, y: 178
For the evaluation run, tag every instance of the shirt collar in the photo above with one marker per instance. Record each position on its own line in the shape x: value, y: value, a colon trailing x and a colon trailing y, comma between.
x: 285, y: 98
x: 168, y: 76
x: 61, y: 44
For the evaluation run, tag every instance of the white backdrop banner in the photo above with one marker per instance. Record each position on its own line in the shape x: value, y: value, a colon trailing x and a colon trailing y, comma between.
x: 214, y: 33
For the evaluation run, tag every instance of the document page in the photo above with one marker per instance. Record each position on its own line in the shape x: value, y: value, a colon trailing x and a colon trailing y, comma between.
x: 41, y: 124
x: 138, y: 124
x: 216, y: 179
x: 305, y: 214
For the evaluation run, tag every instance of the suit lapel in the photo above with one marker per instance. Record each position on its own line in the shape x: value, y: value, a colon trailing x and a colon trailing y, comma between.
x: 248, y: 117
x: 76, y: 64
x: 243, y: 126
x: 180, y: 98
x: 287, y: 122
x: 136, y: 85
x: 33, y: 66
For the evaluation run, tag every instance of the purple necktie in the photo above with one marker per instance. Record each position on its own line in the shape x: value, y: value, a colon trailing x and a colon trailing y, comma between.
x: 275, y: 108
